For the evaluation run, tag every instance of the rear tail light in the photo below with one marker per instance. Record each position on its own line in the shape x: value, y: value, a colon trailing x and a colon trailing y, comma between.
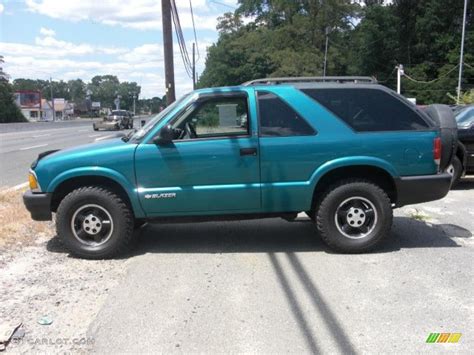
x: 437, y: 150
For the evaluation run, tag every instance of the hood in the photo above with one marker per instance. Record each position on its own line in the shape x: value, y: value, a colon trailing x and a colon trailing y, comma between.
x: 87, y: 154
x: 114, y: 154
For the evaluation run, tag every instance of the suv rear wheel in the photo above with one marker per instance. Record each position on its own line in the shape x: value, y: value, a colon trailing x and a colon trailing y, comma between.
x: 94, y: 223
x: 455, y: 170
x: 354, y: 216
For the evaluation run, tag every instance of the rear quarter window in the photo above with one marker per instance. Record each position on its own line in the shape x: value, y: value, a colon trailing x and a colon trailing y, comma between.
x: 278, y: 119
x: 367, y: 110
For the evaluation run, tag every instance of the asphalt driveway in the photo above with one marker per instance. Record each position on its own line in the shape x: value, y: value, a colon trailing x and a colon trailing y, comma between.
x: 271, y: 286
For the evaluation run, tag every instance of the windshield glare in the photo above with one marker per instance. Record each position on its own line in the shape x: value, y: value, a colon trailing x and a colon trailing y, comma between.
x: 156, y: 119
x: 465, y: 117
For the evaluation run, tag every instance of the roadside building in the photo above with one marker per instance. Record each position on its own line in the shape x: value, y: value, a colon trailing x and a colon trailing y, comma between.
x: 87, y: 108
x: 29, y: 102
x: 64, y: 109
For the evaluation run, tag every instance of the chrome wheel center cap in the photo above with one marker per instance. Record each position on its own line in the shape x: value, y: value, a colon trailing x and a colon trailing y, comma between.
x: 92, y: 224
x: 355, y: 217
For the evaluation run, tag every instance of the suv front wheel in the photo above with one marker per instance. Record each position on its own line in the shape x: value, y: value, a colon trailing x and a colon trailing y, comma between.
x: 94, y: 223
x: 354, y: 216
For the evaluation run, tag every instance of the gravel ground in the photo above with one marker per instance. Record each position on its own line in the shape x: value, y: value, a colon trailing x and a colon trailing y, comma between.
x: 42, y: 280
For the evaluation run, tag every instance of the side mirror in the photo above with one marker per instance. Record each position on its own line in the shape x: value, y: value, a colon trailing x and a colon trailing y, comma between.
x: 165, y: 136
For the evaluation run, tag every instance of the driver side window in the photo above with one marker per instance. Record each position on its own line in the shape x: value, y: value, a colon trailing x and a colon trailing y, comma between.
x: 214, y: 117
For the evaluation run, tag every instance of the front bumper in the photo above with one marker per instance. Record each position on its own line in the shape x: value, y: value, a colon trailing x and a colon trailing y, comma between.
x: 107, y: 124
x: 39, y: 205
x: 424, y: 188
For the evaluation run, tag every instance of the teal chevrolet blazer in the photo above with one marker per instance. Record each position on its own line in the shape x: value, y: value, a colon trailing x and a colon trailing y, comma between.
x: 344, y: 150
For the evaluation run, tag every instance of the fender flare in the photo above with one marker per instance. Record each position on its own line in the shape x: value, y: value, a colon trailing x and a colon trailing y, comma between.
x: 350, y: 162
x: 102, y: 172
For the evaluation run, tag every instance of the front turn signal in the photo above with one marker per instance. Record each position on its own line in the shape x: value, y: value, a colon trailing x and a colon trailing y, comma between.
x: 33, y: 182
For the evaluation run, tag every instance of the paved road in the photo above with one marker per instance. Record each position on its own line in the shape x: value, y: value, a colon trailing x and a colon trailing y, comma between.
x: 20, y: 144
x: 271, y: 286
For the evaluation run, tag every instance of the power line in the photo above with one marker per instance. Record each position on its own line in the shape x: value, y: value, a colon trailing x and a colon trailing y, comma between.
x: 181, y: 42
x: 223, y: 4
x: 429, y: 90
x: 468, y: 65
x: 388, y: 76
x: 430, y: 81
x: 194, y: 30
x: 179, y: 34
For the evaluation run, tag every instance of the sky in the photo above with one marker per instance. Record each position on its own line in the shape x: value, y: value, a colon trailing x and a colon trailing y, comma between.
x: 70, y: 39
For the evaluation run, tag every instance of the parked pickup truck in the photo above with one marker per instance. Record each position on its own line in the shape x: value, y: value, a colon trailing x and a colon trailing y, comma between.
x: 344, y: 150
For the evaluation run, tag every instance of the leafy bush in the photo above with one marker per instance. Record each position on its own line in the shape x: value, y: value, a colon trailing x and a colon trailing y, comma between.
x: 9, y: 111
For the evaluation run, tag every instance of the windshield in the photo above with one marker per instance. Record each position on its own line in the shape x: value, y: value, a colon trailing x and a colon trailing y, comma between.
x: 465, y: 117
x: 118, y: 113
x: 155, y: 120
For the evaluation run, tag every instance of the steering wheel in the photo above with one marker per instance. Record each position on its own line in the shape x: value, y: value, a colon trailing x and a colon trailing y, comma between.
x: 190, y: 131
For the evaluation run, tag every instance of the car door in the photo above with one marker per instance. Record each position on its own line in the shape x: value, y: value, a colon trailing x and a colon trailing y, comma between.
x: 211, y: 167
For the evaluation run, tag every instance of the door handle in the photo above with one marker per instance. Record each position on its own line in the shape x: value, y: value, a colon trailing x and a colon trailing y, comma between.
x: 248, y: 151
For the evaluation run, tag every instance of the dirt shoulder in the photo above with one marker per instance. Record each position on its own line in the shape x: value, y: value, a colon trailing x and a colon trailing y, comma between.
x: 38, y: 278
x: 16, y: 227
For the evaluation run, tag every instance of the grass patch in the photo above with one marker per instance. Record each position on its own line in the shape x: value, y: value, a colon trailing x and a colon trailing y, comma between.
x: 419, y: 215
x: 16, y: 226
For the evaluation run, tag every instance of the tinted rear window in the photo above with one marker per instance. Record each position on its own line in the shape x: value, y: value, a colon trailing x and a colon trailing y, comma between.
x: 368, y: 109
x: 278, y: 119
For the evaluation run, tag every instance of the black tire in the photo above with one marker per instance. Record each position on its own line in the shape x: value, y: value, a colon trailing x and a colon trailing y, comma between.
x: 357, y: 192
x: 455, y: 169
x: 120, y: 233
x: 95, y: 128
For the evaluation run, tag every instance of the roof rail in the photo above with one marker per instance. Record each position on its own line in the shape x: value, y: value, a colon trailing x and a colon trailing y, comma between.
x: 313, y: 79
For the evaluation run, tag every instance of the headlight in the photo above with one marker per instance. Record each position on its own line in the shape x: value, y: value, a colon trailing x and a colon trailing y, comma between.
x: 33, y: 181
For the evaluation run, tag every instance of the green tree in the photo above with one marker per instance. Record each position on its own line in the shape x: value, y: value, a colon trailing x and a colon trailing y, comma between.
x: 153, y: 105
x: 104, y: 88
x: 288, y: 38
x: 77, y: 90
x: 9, y: 111
x: 127, y: 90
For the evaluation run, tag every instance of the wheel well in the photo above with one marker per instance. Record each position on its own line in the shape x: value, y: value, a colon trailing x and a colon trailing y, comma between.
x: 378, y: 176
x: 72, y: 184
x: 460, y: 154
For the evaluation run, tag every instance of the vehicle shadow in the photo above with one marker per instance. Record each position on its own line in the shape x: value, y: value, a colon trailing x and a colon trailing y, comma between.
x: 466, y: 183
x: 274, y: 235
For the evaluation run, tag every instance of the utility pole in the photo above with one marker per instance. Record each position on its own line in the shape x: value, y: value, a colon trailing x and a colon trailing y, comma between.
x: 134, y: 97
x: 168, y: 49
x: 52, y: 98
x: 194, y: 66
x: 326, y: 51
x: 400, y: 73
x: 462, y: 51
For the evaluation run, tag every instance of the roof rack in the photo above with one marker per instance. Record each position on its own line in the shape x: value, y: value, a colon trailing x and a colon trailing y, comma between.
x: 313, y: 79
